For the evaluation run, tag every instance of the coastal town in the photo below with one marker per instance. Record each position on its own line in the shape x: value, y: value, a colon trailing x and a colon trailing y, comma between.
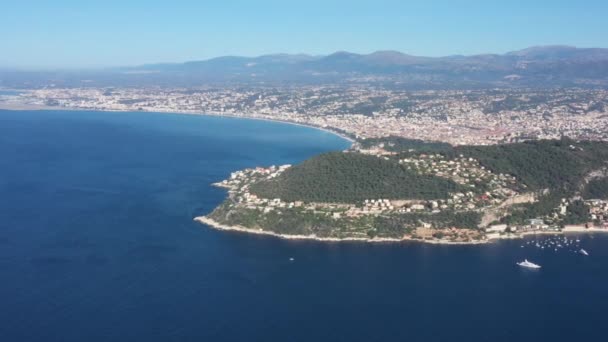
x: 360, y: 113
x: 501, y: 193
x: 458, y: 117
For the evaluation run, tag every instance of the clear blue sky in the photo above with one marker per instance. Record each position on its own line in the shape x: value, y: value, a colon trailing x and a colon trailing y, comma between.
x: 75, y: 34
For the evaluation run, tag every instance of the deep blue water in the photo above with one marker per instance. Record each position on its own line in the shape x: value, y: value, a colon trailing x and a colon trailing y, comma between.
x: 97, y: 243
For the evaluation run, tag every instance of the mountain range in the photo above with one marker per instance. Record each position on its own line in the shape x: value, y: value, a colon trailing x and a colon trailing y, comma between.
x: 545, y: 66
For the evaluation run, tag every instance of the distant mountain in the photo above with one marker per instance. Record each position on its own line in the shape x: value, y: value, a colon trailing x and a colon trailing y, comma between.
x: 544, y: 66
x: 560, y: 52
x: 231, y: 63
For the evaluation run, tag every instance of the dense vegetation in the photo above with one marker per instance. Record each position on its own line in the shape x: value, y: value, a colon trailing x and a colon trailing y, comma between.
x: 578, y: 212
x: 542, y: 164
x: 545, y: 164
x: 596, y: 189
x: 350, y: 178
x: 554, y: 169
x: 544, y: 206
x: 393, y: 225
x: 301, y: 222
x: 559, y: 166
x: 290, y: 222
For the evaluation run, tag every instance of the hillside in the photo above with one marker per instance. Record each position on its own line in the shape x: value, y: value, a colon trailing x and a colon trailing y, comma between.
x: 557, y: 165
x: 596, y: 189
x: 456, y: 192
x: 540, y: 164
x: 545, y: 164
x: 351, y: 177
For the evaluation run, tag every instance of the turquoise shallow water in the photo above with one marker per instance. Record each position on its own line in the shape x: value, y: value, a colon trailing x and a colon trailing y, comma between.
x: 97, y: 243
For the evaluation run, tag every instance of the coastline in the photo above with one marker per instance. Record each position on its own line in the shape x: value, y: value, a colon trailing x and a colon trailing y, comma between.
x: 21, y: 106
x: 219, y: 226
x: 216, y: 225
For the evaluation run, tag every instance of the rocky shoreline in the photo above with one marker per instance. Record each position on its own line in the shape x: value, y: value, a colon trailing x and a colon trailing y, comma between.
x: 216, y: 225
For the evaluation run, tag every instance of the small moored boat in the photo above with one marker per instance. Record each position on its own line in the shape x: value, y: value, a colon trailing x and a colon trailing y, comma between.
x: 528, y: 264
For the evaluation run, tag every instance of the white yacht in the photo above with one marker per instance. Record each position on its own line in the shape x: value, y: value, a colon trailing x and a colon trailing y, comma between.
x: 584, y: 252
x: 528, y: 264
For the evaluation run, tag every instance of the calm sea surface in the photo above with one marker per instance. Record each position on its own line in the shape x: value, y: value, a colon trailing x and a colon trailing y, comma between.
x: 97, y: 243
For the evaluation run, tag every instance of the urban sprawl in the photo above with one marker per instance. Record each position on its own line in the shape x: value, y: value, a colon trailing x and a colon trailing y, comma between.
x: 467, y: 117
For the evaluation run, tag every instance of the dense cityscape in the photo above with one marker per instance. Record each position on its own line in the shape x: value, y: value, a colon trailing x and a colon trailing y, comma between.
x: 459, y: 117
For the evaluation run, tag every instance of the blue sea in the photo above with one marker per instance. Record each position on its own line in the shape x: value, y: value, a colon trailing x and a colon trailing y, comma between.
x: 97, y: 243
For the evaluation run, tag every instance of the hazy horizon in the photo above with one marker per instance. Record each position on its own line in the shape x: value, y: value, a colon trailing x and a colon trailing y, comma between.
x: 75, y: 35
x: 101, y: 67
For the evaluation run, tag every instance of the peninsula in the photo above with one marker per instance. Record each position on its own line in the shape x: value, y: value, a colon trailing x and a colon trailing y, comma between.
x: 396, y: 189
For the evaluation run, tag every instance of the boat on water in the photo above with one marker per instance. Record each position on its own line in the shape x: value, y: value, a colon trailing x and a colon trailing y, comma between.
x: 583, y: 252
x: 528, y: 264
